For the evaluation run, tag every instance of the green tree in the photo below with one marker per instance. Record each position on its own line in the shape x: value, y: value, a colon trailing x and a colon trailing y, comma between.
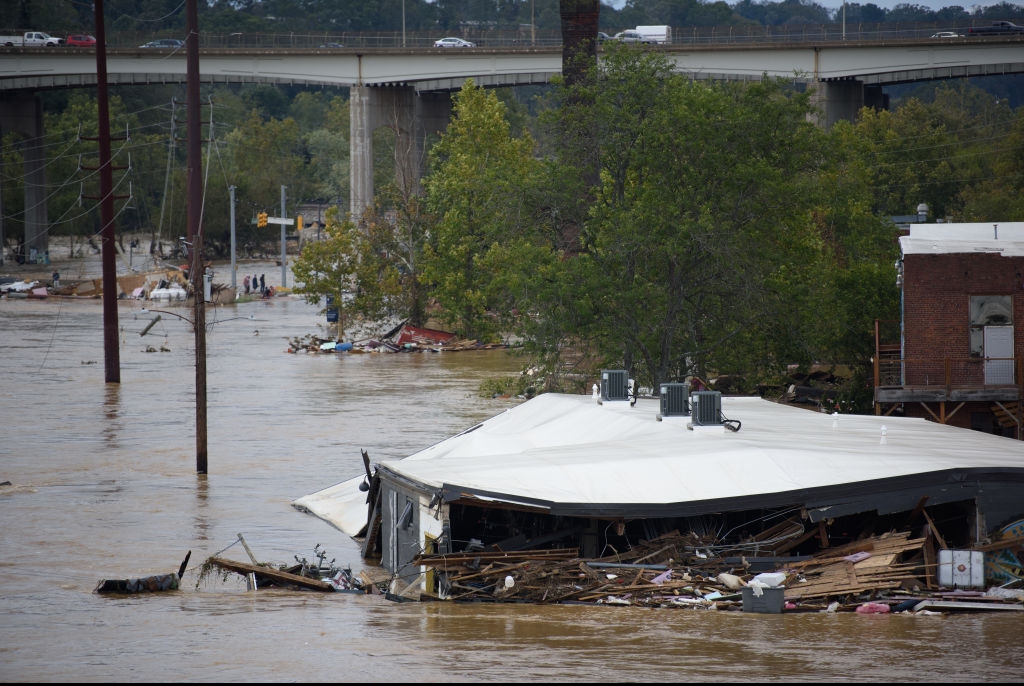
x: 1001, y: 194
x: 857, y: 282
x: 324, y: 123
x: 914, y: 158
x: 263, y: 156
x: 359, y: 267
x: 476, y: 188
x: 700, y: 244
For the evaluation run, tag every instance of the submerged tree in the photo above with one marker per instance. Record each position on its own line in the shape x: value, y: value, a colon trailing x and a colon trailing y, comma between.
x: 478, y: 191
x: 355, y: 269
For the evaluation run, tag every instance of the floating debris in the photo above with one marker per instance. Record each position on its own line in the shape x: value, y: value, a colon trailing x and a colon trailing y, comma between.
x: 146, y: 584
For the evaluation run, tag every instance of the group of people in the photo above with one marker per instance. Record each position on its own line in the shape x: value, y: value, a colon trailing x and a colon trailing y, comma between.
x: 256, y: 284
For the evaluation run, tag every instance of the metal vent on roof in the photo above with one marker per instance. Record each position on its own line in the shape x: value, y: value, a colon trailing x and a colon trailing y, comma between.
x: 675, y: 399
x: 706, y: 408
x: 614, y: 384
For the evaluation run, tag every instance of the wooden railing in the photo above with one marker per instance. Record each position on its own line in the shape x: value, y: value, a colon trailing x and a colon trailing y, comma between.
x: 949, y: 373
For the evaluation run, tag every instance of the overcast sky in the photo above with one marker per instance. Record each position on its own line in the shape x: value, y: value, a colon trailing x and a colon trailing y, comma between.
x: 887, y: 4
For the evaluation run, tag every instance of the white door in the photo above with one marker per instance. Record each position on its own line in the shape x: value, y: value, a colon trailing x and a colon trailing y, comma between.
x: 998, y: 344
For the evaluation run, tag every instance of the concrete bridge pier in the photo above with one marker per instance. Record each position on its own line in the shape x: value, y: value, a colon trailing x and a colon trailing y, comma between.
x: 837, y: 100
x: 23, y: 114
x: 412, y: 116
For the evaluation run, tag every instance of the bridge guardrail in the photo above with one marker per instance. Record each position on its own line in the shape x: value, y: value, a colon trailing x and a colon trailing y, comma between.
x: 703, y: 35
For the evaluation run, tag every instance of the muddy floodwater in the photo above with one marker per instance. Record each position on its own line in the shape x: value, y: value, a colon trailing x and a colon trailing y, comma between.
x: 103, y: 485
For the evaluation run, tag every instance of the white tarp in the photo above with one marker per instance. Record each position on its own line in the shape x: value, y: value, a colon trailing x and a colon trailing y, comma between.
x: 573, y: 449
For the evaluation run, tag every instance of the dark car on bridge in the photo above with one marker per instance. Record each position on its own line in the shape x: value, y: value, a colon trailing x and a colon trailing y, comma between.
x: 996, y: 28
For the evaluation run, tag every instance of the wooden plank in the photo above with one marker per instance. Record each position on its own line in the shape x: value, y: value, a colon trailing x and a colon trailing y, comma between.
x: 245, y: 568
x: 792, y: 543
x: 1000, y: 545
x: 932, y: 604
x: 930, y: 564
x: 438, y: 559
x: 934, y: 530
x: 372, y: 530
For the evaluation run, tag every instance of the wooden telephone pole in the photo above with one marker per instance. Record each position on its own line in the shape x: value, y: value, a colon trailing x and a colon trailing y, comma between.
x: 197, y: 271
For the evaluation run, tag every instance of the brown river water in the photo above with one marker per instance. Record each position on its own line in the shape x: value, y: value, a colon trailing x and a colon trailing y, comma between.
x: 103, y: 485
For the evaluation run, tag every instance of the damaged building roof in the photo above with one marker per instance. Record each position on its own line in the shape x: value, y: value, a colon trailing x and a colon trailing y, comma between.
x: 578, y: 455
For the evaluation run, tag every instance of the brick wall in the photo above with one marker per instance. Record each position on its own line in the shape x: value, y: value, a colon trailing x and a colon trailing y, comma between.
x: 936, y: 305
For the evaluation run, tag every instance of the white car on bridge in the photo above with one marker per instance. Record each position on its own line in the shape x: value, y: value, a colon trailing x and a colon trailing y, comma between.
x: 453, y: 43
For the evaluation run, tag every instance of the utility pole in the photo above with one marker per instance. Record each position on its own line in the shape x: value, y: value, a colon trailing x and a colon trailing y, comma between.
x: 533, y: 26
x: 284, y: 247
x: 234, y: 269
x: 111, y: 351
x: 196, y: 274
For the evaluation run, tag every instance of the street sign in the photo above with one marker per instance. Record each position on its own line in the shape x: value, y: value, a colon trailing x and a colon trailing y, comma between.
x: 332, y: 311
x: 280, y: 220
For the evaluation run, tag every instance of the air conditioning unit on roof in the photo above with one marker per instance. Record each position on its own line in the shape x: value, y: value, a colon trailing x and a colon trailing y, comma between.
x: 706, y: 408
x: 675, y: 399
x: 614, y: 384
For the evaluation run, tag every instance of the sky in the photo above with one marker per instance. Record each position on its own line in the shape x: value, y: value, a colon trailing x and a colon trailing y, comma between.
x: 885, y: 4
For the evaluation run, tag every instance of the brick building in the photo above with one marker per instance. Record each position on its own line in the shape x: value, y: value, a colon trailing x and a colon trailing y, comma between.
x: 955, y: 355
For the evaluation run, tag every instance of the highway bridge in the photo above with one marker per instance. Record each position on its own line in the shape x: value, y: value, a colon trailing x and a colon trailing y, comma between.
x: 409, y: 88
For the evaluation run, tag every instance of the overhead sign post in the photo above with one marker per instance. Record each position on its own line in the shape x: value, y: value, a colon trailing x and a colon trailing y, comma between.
x: 283, y: 221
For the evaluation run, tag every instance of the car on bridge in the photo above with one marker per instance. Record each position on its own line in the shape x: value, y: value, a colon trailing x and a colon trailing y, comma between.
x: 631, y: 36
x: 165, y: 43
x: 996, y: 28
x: 80, y: 40
x: 947, y: 34
x: 452, y: 42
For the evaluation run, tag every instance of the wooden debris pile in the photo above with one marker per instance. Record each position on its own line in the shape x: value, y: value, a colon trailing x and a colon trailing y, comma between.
x: 873, y: 566
x: 890, y: 570
x: 304, y: 575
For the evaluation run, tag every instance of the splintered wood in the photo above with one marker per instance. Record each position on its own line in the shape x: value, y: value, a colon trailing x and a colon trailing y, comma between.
x: 668, y: 571
x: 848, y: 570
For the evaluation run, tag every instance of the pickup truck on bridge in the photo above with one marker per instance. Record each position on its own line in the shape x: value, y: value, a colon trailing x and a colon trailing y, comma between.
x: 997, y: 28
x: 31, y: 39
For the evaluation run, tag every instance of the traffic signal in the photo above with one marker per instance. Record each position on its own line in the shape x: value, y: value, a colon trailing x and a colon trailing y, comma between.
x: 261, y: 219
x: 298, y: 222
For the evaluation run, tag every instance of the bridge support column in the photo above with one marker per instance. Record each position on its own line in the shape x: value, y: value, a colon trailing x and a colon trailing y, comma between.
x: 837, y: 100
x: 412, y: 117
x: 24, y: 115
x: 875, y: 98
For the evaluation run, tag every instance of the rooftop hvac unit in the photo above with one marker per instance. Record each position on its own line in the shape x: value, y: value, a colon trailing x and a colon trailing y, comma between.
x: 614, y: 384
x: 675, y: 399
x: 707, y: 408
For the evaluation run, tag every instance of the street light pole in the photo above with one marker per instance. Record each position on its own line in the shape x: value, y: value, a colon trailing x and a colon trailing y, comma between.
x: 284, y: 248
x: 234, y: 268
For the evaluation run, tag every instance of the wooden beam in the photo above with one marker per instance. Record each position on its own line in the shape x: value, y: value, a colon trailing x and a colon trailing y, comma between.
x: 930, y: 564
x: 934, y: 530
x: 244, y: 568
